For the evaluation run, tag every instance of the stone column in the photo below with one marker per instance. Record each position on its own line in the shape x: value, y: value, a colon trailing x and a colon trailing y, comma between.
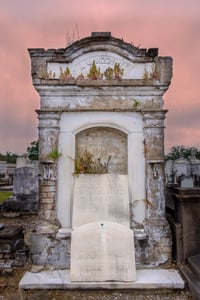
x: 48, y: 142
x: 154, y: 154
x: 156, y: 225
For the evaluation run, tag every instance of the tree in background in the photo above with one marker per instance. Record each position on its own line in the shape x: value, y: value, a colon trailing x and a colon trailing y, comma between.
x: 181, y: 151
x: 32, y: 151
x: 8, y: 157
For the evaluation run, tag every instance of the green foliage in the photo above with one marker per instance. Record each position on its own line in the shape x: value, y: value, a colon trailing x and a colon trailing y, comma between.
x: 87, y: 165
x: 182, y: 151
x: 66, y: 74
x: 94, y: 73
x: 4, y: 195
x: 136, y: 103
x: 114, y: 73
x: 8, y: 157
x: 109, y: 73
x: 54, y: 154
x: 84, y: 164
x: 33, y: 150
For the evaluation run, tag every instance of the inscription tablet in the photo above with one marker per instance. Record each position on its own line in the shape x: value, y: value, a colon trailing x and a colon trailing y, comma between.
x: 102, y: 251
x: 102, y: 197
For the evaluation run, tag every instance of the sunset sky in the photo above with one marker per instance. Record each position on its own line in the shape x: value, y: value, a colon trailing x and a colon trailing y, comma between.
x: 173, y: 26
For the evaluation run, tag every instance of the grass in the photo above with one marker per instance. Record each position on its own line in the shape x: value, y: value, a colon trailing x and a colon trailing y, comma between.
x: 4, y: 195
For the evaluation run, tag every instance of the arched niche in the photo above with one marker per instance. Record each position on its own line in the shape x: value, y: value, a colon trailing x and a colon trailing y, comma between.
x: 106, y: 145
x: 126, y: 128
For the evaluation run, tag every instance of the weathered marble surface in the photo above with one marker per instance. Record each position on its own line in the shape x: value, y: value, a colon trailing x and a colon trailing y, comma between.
x: 133, y: 105
x: 146, y: 279
x: 102, y: 251
x: 100, y: 198
x: 25, y: 182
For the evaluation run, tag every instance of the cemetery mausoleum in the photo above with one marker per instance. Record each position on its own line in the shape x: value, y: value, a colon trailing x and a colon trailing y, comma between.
x: 101, y: 154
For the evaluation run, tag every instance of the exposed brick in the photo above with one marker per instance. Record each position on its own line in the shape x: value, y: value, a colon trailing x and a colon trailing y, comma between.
x: 50, y: 195
x: 43, y: 195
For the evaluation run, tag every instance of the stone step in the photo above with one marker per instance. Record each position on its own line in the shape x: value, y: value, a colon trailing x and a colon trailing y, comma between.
x: 194, y: 265
x: 145, y: 279
x: 193, y: 282
x: 160, y: 284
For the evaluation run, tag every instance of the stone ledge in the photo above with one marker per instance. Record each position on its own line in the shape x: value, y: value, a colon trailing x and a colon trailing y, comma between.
x: 146, y: 279
x: 98, y: 82
x: 64, y: 233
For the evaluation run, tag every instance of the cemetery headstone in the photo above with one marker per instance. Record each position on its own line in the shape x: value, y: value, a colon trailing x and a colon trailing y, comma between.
x: 102, y: 251
x: 182, y: 167
x: 25, y: 191
x: 187, y: 182
x: 168, y: 170
x: 3, y: 167
x: 25, y: 183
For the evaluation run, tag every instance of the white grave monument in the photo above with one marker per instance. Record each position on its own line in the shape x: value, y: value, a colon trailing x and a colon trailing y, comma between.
x: 103, y: 95
x: 102, y: 242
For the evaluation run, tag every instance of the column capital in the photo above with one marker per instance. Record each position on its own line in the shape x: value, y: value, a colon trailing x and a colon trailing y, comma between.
x: 154, y: 118
x: 49, y: 120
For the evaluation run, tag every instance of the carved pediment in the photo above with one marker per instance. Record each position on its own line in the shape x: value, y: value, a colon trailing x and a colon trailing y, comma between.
x: 103, y: 60
x: 105, y: 52
x: 103, y: 42
x: 98, y: 41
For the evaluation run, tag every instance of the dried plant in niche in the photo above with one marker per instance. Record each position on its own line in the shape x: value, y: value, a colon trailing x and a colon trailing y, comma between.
x: 47, y: 75
x: 86, y: 164
x: 109, y: 73
x: 118, y: 71
x: 66, y: 74
x: 94, y: 72
x: 150, y: 75
x: 80, y: 77
x: 146, y: 74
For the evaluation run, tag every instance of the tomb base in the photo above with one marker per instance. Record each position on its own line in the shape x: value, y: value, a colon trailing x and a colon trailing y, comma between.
x: 145, y: 279
x: 158, y: 245
x: 28, y: 205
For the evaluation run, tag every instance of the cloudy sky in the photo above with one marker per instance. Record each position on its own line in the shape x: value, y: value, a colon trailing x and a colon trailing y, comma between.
x: 173, y: 26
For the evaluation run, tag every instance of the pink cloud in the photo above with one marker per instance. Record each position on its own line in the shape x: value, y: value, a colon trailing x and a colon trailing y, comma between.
x: 172, y: 26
